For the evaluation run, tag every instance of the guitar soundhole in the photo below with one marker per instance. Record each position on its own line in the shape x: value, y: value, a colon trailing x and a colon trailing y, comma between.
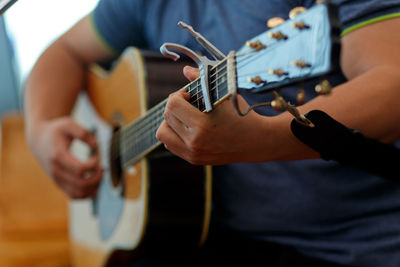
x: 115, y: 158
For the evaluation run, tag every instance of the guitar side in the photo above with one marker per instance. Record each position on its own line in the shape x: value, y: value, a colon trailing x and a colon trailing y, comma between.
x: 129, y: 215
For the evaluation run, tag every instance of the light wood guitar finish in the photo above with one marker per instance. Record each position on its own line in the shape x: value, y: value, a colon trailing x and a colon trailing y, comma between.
x: 161, y: 199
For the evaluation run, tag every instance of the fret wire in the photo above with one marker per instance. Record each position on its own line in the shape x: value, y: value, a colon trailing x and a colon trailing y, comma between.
x: 197, y: 86
x: 142, y: 122
x: 214, y: 74
x: 186, y: 86
x: 196, y: 81
x: 147, y: 124
x: 138, y: 136
x: 212, y: 89
x: 137, y: 146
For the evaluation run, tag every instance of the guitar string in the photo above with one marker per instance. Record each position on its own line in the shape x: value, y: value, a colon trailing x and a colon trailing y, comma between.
x: 155, y: 116
x: 249, y: 54
x: 240, y: 63
x: 197, y: 86
x: 153, y: 120
x: 134, y: 127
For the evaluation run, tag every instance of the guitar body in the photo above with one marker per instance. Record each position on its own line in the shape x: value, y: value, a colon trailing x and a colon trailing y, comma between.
x: 160, y: 201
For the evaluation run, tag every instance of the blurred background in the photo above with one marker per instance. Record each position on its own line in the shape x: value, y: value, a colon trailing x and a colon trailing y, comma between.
x: 33, y: 212
x: 26, y: 29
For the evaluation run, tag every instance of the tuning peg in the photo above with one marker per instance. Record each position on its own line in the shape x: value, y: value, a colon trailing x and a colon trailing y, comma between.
x: 301, y: 96
x: 279, y: 103
x: 296, y: 11
x: 278, y: 72
x: 301, y: 64
x: 275, y: 21
x: 300, y: 25
x: 257, y: 45
x: 323, y: 88
x: 256, y: 80
x: 277, y: 35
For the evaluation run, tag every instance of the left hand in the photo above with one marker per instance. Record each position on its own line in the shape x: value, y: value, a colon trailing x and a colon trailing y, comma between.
x: 215, y: 138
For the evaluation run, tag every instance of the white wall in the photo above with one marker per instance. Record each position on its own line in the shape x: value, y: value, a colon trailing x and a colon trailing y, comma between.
x: 8, y: 83
x: 34, y: 24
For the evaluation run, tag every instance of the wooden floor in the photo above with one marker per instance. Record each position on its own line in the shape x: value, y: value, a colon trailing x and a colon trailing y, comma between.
x: 33, y: 211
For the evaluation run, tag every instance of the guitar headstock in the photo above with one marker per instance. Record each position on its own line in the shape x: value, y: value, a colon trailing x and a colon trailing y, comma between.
x: 301, y: 48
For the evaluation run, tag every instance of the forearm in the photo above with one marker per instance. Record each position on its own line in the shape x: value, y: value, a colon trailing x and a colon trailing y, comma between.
x: 368, y: 103
x: 52, y: 86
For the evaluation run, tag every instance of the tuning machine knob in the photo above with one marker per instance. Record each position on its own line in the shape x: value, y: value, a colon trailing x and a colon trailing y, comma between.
x: 274, y: 22
x: 300, y: 64
x: 301, y: 96
x: 296, y: 11
x: 279, y: 103
x: 256, y: 45
x: 278, y: 72
x: 300, y: 25
x: 256, y: 80
x: 323, y: 88
x: 278, y: 35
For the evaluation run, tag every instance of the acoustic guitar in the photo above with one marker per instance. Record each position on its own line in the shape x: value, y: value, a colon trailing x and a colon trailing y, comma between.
x: 148, y: 198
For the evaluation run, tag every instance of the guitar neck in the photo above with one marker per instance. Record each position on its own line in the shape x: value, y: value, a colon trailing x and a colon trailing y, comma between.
x: 138, y: 138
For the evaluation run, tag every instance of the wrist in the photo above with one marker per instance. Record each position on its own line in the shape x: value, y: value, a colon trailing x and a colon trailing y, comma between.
x: 282, y: 144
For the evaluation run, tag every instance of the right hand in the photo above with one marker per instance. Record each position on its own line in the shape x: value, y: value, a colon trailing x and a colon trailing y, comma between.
x: 51, y: 142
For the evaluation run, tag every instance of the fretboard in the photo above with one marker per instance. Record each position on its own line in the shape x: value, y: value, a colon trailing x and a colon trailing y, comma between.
x: 139, y: 138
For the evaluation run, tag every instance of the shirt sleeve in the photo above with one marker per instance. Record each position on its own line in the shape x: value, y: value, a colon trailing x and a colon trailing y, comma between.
x: 119, y: 23
x: 355, y: 14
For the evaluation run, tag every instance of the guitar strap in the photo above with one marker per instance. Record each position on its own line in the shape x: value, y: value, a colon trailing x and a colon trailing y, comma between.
x: 335, y: 141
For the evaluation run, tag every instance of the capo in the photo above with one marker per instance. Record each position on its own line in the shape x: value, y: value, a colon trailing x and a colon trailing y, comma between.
x: 202, y: 62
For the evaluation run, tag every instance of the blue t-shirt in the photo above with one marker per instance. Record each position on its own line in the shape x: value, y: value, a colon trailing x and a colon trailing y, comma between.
x: 325, y: 210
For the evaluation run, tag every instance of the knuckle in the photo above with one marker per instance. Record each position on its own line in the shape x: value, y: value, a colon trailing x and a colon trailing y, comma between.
x: 77, y: 194
x: 80, y: 133
x: 196, y: 142
x: 55, y: 155
x: 80, y: 171
x: 66, y: 122
x: 53, y: 159
x: 53, y: 173
x: 171, y: 101
x: 166, y: 115
x: 84, y: 134
x: 194, y: 159
x: 193, y: 147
